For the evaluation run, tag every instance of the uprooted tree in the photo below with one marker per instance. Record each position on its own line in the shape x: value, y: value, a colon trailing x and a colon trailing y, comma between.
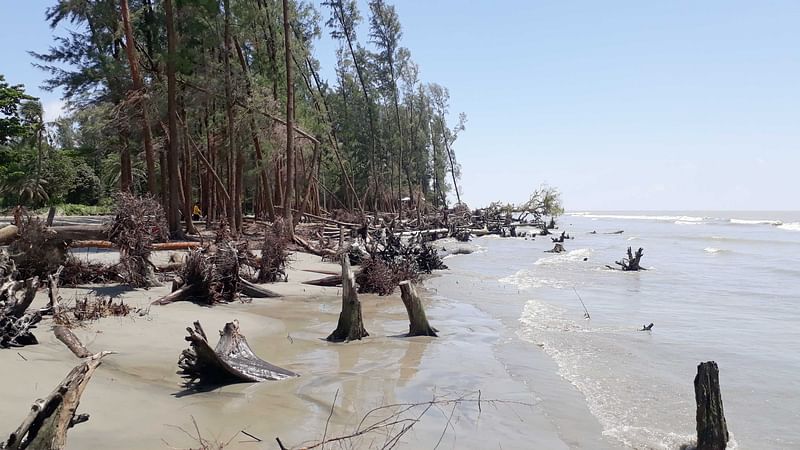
x: 16, y: 296
x: 210, y: 276
x: 631, y: 263
x: 351, y: 324
x: 231, y: 361
x: 138, y: 223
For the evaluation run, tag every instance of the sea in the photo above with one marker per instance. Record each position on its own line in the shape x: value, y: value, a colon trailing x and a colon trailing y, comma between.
x: 719, y: 286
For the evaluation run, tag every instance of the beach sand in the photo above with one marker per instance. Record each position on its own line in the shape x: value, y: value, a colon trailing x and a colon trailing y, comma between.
x: 136, y: 399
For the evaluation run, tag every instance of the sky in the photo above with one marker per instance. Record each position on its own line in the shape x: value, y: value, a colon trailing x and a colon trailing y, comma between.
x: 621, y: 105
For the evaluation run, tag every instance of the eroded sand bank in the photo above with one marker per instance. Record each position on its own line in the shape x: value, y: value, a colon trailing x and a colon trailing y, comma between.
x: 136, y: 399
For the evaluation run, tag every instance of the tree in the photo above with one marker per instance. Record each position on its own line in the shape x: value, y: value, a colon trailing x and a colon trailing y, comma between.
x: 12, y: 126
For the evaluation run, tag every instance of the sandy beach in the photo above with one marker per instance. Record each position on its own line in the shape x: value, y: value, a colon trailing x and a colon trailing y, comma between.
x: 136, y: 399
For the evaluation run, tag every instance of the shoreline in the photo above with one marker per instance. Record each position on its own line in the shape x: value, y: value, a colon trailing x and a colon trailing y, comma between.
x: 135, y: 399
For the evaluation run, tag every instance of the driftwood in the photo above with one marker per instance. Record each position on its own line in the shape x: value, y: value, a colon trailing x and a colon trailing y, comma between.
x: 231, y: 360
x: 8, y: 233
x: 50, y: 418
x: 351, y: 324
x: 72, y: 342
x: 417, y: 320
x: 15, y: 298
x: 255, y: 291
x: 647, y: 327
x: 557, y: 248
x: 712, y: 430
x: 99, y: 243
x: 329, y: 281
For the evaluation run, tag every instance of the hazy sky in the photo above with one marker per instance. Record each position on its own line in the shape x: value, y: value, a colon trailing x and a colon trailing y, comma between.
x: 621, y: 105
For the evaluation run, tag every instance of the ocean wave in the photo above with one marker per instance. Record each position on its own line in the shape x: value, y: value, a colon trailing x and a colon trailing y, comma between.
x: 598, y: 371
x: 687, y: 222
x: 755, y: 222
x: 525, y: 279
x: 791, y: 226
x: 560, y: 258
x: 640, y: 217
x: 715, y: 250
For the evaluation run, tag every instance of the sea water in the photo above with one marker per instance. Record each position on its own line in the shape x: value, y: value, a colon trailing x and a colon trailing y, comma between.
x: 721, y: 286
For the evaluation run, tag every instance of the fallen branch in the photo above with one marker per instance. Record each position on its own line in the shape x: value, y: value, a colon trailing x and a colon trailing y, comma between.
x: 50, y: 418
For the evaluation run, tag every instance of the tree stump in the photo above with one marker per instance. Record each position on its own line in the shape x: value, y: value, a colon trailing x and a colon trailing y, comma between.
x: 417, y: 320
x: 557, y: 248
x: 712, y: 430
x: 231, y: 360
x: 351, y: 324
x: 631, y: 263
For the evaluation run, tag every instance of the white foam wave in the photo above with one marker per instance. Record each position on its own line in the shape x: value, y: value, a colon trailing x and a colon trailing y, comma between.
x: 714, y: 250
x: 525, y: 279
x: 560, y: 258
x: 640, y: 217
x: 612, y: 392
x: 755, y: 222
x: 791, y: 226
x: 687, y: 222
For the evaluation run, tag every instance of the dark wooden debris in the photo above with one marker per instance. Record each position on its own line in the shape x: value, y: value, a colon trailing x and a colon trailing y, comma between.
x: 417, y: 319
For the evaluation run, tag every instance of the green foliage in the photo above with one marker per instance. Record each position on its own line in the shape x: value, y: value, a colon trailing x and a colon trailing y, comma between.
x: 12, y: 123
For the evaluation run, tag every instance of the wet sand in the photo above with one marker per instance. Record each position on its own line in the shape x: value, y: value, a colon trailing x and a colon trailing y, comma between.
x: 136, y: 399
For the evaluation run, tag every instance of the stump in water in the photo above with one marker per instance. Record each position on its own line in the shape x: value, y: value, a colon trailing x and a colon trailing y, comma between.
x: 231, y: 360
x: 631, y: 263
x: 351, y: 324
x: 557, y: 248
x: 712, y: 430
x: 50, y: 418
x: 417, y: 320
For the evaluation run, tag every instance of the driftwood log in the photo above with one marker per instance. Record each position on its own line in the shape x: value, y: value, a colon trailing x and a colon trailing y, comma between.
x: 417, y: 320
x: 231, y: 361
x: 557, y: 248
x: 712, y: 430
x: 50, y: 418
x: 16, y: 296
x: 351, y: 324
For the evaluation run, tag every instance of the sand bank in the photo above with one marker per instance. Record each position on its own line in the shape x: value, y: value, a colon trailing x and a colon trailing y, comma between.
x: 136, y: 400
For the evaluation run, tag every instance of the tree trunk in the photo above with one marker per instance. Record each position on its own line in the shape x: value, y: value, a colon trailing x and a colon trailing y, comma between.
x: 173, y: 208
x: 232, y: 152
x: 138, y: 85
x: 287, y: 200
x: 351, y: 325
x: 712, y: 430
x: 417, y: 320
x: 125, y: 176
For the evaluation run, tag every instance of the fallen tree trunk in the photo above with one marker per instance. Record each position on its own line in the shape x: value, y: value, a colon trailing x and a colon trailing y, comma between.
x: 231, y: 361
x: 351, y: 324
x: 417, y: 320
x: 255, y: 291
x: 72, y: 342
x: 329, y: 281
x: 50, y: 418
x: 177, y: 245
x: 712, y: 430
x: 8, y: 233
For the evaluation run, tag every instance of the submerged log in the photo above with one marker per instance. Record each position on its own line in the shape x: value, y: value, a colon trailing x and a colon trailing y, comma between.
x: 417, y: 320
x: 50, y: 418
x: 351, y: 324
x: 231, y: 360
x: 712, y: 430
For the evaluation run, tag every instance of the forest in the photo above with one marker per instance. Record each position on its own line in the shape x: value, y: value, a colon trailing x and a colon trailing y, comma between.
x: 224, y: 105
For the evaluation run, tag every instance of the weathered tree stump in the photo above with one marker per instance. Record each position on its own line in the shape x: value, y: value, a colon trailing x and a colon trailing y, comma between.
x: 631, y: 263
x: 231, y: 360
x: 557, y: 248
x: 50, y: 418
x: 351, y: 324
x: 417, y: 320
x: 712, y: 430
x: 15, y: 298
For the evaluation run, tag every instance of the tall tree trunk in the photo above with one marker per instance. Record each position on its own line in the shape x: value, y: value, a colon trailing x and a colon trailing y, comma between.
x: 125, y: 176
x: 138, y: 85
x: 450, y: 157
x: 287, y: 200
x: 232, y: 154
x: 173, y: 213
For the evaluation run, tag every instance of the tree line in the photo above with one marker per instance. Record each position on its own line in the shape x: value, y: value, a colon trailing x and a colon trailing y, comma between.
x: 223, y: 103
